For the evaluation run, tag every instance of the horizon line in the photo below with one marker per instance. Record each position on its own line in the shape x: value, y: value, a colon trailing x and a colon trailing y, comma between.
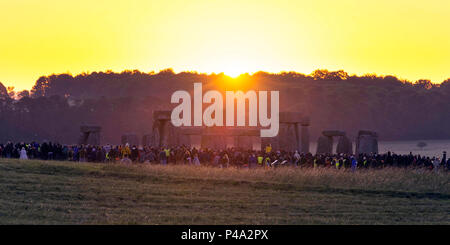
x: 153, y: 72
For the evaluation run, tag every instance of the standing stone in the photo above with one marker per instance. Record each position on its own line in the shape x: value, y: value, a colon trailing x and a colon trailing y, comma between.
x: 90, y: 135
x: 290, y: 137
x: 344, y: 146
x: 172, y: 134
x: 155, y: 136
x: 324, y: 145
x: 163, y: 134
x: 304, y: 144
x: 367, y: 142
x: 161, y: 128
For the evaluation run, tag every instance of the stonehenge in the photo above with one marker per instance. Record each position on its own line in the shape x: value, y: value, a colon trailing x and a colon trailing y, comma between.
x: 344, y: 146
x: 366, y: 142
x: 293, y: 136
x: 325, y: 143
x: 163, y: 131
x: 90, y: 135
x: 290, y: 137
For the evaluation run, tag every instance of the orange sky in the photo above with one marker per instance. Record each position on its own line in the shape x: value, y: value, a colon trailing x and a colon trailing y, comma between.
x: 409, y: 39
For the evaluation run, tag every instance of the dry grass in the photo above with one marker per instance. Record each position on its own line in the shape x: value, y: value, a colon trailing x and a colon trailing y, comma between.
x: 39, y: 192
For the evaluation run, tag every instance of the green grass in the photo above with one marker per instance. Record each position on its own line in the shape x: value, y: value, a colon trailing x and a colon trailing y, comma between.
x: 49, y: 192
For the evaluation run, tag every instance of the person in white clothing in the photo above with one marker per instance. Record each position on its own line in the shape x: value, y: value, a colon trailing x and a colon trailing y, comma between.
x: 296, y: 158
x: 436, y: 163
x: 23, y: 153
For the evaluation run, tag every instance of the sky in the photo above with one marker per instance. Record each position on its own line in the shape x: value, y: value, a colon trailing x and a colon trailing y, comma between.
x: 405, y: 38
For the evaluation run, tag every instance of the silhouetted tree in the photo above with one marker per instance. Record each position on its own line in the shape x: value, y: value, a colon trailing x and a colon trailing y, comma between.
x: 331, y: 76
x: 423, y: 83
x: 3, y: 92
x: 11, y: 92
x: 40, y: 87
x: 23, y: 94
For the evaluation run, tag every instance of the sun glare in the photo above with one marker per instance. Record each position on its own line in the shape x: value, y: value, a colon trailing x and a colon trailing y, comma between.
x: 233, y: 72
x: 233, y: 67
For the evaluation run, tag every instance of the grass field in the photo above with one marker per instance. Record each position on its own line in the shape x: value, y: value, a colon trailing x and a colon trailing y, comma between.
x: 49, y: 192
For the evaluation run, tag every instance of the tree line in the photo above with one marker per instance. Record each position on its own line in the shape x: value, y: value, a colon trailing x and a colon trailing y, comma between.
x: 58, y: 104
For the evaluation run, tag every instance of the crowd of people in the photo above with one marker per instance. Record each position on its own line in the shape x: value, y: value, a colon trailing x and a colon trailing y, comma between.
x: 267, y: 157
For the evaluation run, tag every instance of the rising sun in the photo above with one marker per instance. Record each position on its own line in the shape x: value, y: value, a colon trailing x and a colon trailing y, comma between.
x: 235, y: 68
x: 233, y: 72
